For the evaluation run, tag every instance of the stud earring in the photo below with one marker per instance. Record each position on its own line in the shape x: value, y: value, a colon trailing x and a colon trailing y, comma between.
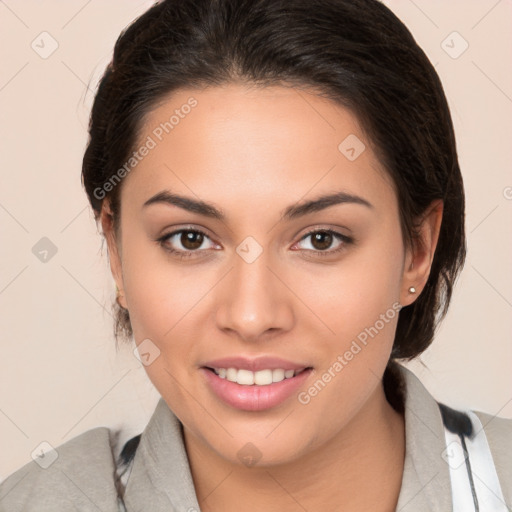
x: 412, y: 289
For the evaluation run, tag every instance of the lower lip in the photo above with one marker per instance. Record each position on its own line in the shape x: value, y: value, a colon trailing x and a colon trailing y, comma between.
x: 254, y: 398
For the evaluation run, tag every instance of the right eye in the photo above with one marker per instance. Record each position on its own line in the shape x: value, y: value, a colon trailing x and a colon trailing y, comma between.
x: 190, y: 240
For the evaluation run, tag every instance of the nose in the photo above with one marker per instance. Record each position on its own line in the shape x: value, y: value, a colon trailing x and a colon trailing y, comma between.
x: 254, y: 302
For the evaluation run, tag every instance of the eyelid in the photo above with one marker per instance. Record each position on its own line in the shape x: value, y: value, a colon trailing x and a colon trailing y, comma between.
x: 326, y: 227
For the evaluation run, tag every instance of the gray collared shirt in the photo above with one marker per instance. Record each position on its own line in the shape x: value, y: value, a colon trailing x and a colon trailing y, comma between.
x: 84, y: 475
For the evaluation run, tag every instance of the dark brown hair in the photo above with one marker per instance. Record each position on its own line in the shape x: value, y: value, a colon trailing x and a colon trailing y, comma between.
x: 356, y: 52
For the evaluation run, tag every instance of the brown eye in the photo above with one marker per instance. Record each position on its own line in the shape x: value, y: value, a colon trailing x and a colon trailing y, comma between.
x: 185, y: 243
x: 321, y: 240
x: 191, y: 240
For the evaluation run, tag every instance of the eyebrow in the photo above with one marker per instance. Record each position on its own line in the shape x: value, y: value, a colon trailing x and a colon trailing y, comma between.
x: 291, y: 212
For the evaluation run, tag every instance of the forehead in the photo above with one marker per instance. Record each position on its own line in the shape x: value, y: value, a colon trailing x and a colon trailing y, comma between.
x: 247, y: 142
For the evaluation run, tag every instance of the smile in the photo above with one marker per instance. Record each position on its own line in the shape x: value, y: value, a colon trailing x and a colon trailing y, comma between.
x: 259, y: 378
x: 254, y: 391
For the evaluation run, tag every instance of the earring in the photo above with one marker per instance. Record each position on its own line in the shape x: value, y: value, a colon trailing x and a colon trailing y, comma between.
x: 412, y: 289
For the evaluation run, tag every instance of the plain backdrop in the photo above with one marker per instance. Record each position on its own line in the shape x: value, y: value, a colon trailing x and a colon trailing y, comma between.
x: 59, y: 372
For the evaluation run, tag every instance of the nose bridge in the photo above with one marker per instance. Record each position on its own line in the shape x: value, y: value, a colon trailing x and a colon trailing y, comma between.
x: 253, y: 298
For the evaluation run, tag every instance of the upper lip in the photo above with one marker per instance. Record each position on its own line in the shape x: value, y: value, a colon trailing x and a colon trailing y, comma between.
x: 254, y: 364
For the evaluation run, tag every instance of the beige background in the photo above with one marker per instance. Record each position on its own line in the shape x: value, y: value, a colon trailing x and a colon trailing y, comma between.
x: 59, y: 372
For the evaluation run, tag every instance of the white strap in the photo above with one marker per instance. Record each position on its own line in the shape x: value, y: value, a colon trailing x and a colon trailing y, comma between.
x: 481, y: 491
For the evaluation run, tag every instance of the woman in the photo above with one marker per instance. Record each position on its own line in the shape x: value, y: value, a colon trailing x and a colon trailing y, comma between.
x: 279, y: 189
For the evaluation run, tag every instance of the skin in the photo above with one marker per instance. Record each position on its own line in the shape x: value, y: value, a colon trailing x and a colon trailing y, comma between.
x: 253, y: 152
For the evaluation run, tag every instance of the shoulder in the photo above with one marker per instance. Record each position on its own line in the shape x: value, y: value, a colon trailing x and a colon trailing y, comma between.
x: 79, y: 473
x: 498, y: 432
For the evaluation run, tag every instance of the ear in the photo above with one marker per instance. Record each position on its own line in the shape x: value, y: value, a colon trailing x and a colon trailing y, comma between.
x: 418, y: 258
x: 113, y: 245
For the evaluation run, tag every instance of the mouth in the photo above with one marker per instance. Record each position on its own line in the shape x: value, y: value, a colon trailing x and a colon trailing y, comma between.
x: 263, y: 377
x: 254, y: 384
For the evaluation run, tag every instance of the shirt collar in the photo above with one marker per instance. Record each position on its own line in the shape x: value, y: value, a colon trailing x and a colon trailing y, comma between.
x: 161, y: 473
x: 426, y: 478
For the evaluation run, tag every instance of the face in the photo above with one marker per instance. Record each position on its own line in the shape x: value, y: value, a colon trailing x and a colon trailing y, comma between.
x: 257, y: 285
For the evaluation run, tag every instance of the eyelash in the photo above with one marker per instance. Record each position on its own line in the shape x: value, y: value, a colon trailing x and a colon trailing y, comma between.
x: 188, y: 254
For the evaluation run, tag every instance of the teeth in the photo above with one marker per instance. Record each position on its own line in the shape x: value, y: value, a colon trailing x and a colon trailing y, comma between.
x: 231, y: 374
x: 278, y: 375
x: 263, y: 377
x: 260, y: 378
x: 245, y: 377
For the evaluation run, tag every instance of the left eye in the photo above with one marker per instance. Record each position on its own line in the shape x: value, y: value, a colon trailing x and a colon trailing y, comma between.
x: 322, y: 240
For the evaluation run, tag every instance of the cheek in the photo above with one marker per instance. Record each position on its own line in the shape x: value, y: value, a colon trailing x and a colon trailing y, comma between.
x: 161, y: 302
x: 359, y: 302
x: 158, y: 291
x: 353, y: 295
x: 362, y: 310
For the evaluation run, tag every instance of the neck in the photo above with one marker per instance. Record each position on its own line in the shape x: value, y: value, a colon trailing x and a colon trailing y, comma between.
x: 359, y: 469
